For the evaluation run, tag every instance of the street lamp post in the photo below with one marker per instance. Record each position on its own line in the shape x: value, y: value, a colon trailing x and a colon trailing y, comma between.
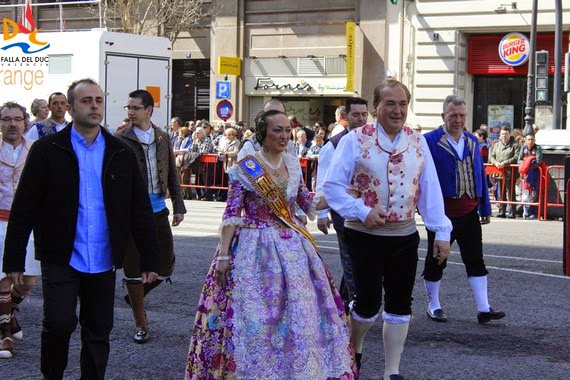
x: 557, y: 95
x: 528, y: 109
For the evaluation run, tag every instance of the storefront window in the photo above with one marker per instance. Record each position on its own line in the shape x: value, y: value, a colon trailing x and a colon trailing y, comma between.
x: 507, y: 91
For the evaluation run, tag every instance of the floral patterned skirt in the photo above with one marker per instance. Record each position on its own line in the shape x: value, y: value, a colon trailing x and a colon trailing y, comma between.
x: 278, y: 317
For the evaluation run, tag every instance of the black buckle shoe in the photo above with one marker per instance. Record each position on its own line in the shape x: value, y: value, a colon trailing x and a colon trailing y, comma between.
x: 438, y: 315
x: 492, y: 315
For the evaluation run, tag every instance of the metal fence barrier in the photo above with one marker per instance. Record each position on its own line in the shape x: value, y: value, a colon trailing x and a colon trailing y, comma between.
x: 207, y: 176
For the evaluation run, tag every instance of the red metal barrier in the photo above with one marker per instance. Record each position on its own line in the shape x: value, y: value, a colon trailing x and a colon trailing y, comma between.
x: 208, y: 177
x: 211, y: 176
x: 309, y: 168
x: 513, y: 172
x: 208, y: 174
x: 557, y: 173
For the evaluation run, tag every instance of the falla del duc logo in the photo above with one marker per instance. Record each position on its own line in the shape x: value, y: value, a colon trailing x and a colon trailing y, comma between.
x: 22, y: 66
x: 22, y: 35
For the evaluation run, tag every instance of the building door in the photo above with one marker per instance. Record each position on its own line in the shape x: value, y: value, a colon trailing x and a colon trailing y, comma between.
x: 498, y: 90
x: 503, y: 90
x: 191, y: 89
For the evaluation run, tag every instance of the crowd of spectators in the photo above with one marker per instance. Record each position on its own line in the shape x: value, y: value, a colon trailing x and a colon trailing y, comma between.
x: 193, y: 139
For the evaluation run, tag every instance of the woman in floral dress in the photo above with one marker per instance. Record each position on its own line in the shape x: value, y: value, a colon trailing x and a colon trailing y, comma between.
x: 269, y: 309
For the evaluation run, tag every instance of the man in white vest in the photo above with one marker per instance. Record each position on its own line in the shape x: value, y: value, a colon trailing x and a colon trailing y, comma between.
x: 391, y: 165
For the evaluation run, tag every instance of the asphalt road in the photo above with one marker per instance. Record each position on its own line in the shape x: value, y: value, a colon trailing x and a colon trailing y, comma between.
x: 525, y: 263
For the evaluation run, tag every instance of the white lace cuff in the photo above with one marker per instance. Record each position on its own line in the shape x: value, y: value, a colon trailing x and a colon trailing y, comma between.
x: 233, y: 221
x: 313, y: 209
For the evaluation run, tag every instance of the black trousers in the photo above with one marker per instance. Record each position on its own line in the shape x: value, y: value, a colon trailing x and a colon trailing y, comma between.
x: 62, y: 287
x: 467, y: 232
x: 388, y: 262
x: 338, y: 224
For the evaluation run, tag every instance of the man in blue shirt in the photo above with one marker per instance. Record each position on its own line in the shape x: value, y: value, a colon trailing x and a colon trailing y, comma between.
x: 82, y: 193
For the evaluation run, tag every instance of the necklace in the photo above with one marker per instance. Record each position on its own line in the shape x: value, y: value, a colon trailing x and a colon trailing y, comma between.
x: 275, y: 167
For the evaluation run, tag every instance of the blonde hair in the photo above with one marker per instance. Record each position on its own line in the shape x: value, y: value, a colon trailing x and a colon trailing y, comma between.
x: 247, y: 134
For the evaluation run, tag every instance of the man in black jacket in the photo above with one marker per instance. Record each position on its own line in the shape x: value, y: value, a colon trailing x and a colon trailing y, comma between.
x: 82, y: 193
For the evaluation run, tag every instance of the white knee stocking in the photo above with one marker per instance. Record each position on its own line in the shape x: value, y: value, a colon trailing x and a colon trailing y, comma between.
x: 479, y: 287
x: 432, y: 294
x: 394, y: 335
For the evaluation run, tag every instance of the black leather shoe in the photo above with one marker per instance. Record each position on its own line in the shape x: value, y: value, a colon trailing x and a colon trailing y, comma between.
x: 398, y: 377
x: 511, y: 216
x: 438, y: 315
x: 492, y: 315
x: 501, y: 215
x: 141, y: 336
x: 358, y: 360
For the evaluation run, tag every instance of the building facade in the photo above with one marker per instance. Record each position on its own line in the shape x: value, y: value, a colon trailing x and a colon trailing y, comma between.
x: 452, y: 47
x: 296, y: 51
x: 292, y: 50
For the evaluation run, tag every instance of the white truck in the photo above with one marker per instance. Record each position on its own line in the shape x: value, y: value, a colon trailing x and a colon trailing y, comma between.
x: 38, y: 64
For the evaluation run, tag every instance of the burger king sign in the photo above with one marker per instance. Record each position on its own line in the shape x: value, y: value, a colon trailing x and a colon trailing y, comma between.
x: 514, y: 49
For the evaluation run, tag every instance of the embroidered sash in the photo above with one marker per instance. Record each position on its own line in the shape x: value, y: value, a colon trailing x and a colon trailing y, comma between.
x: 269, y: 190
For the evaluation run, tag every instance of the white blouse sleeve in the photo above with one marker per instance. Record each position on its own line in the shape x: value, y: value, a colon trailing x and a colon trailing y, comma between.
x: 338, y: 180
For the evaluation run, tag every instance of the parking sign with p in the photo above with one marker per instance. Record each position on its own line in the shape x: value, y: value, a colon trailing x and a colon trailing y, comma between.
x: 223, y: 89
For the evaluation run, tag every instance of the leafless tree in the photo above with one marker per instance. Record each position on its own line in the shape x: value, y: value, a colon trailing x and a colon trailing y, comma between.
x: 165, y: 18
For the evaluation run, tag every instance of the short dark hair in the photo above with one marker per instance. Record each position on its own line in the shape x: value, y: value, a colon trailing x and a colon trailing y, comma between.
x: 178, y: 120
x: 71, y: 89
x: 389, y: 83
x: 483, y: 133
x: 54, y: 94
x: 10, y: 105
x: 261, y: 124
x: 350, y: 101
x: 145, y: 97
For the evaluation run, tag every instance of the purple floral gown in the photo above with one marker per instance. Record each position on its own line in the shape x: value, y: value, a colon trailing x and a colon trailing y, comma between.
x: 279, y: 316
